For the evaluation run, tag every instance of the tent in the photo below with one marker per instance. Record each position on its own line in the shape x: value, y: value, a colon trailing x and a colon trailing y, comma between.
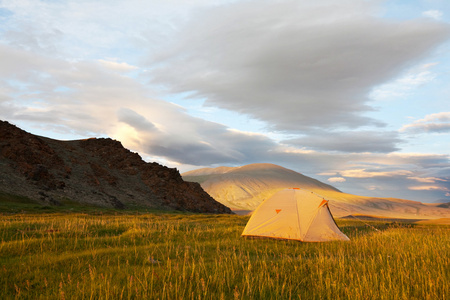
x: 294, y: 214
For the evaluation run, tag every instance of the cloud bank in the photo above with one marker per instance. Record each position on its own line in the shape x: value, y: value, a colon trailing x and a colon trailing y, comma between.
x: 305, y: 70
x: 296, y: 66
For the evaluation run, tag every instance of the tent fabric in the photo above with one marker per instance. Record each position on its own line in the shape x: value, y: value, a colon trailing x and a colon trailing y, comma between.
x: 294, y: 214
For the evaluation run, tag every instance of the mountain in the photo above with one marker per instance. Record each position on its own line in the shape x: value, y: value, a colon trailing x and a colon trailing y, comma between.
x: 244, y: 188
x: 92, y: 171
x: 445, y: 205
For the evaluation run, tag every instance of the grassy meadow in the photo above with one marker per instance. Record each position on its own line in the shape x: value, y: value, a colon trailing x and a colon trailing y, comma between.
x: 104, y: 255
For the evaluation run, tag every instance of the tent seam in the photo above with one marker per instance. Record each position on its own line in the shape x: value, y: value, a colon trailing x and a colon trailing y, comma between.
x: 314, y: 217
x: 298, y: 215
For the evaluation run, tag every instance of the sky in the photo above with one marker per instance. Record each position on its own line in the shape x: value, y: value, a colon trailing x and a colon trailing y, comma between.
x: 353, y: 93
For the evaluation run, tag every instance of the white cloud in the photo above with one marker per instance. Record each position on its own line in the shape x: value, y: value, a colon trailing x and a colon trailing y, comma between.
x: 336, y: 179
x: 362, y: 173
x: 114, y: 65
x: 426, y: 179
x: 433, y: 123
x: 434, y: 14
x: 427, y: 188
x: 327, y: 173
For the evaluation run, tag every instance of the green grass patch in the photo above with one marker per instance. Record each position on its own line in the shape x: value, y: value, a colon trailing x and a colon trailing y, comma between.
x: 15, y: 204
x: 195, y: 256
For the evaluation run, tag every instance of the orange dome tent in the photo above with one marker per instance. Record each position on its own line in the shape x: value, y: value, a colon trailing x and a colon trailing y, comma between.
x: 294, y: 214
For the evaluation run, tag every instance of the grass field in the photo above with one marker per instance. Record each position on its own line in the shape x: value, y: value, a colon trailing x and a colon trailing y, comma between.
x: 191, y: 256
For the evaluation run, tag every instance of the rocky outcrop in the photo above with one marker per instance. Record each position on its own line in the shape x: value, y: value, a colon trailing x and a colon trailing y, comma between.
x: 93, y: 171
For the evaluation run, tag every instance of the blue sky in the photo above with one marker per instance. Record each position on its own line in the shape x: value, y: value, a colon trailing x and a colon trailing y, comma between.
x: 353, y: 93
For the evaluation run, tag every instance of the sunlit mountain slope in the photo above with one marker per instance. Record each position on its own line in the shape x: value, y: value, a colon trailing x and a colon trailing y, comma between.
x: 244, y: 188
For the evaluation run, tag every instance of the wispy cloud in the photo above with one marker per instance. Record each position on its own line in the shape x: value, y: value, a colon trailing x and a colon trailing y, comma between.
x: 117, y: 66
x: 406, y: 84
x: 427, y: 188
x: 363, y: 173
x: 434, y: 14
x: 427, y: 179
x: 349, y: 141
x: 433, y: 123
x: 336, y: 179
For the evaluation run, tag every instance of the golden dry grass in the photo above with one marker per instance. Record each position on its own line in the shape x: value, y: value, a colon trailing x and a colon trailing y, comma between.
x: 192, y: 256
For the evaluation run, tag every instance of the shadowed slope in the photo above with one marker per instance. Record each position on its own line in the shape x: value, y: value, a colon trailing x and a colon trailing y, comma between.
x: 94, y: 171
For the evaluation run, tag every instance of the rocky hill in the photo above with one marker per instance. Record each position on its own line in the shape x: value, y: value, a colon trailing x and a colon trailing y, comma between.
x: 244, y: 188
x: 93, y: 171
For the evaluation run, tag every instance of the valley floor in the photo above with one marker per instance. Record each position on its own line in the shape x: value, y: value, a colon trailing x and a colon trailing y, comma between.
x: 195, y: 256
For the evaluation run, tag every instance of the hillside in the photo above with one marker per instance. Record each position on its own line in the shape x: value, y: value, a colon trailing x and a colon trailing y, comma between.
x: 244, y: 188
x: 93, y: 171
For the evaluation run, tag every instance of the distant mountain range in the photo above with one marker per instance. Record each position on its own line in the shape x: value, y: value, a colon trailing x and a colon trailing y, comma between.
x: 95, y: 172
x: 244, y: 188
